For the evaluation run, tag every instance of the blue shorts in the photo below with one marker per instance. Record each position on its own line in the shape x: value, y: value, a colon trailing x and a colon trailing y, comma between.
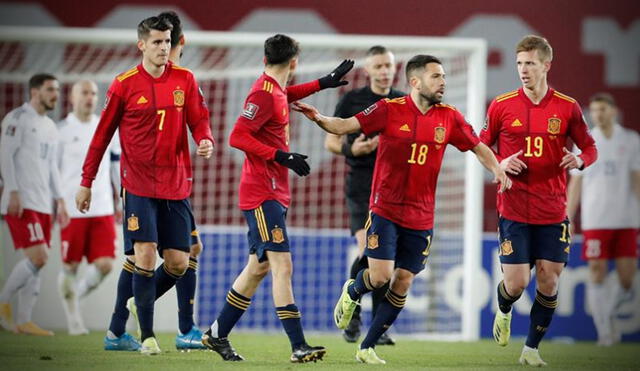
x: 168, y: 223
x: 522, y: 243
x: 267, y: 229
x: 386, y: 240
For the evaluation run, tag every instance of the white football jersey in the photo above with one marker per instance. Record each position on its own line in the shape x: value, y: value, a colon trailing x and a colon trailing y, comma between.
x: 28, y: 147
x: 75, y: 138
x: 608, y: 200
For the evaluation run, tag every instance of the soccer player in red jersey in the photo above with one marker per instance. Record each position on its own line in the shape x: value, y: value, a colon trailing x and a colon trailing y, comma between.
x: 529, y: 128
x: 262, y: 132
x: 414, y: 131
x: 151, y: 105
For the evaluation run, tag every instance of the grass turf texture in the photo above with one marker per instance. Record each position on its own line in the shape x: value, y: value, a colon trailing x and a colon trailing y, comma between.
x: 271, y: 352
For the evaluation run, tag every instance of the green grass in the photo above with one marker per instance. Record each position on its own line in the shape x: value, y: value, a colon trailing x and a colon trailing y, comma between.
x: 271, y: 352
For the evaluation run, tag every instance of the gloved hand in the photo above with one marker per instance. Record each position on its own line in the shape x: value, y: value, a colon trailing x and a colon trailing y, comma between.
x: 334, y: 79
x: 294, y: 161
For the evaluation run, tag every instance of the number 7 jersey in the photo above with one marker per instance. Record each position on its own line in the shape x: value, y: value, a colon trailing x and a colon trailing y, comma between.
x: 410, y: 152
x: 514, y: 123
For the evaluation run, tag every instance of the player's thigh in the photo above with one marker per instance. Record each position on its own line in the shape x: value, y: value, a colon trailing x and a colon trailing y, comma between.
x: 73, y: 240
x: 101, y: 238
x: 414, y: 247
x: 140, y: 219
x: 31, y: 229
x: 267, y: 229
x: 381, y: 248
x: 597, y: 244
x: 174, y: 226
x: 551, y: 242
x: 516, y: 277
x: 515, y: 242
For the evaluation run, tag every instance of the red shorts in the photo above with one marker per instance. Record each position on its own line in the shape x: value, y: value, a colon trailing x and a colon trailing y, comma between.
x: 93, y: 237
x: 610, y: 244
x: 34, y: 228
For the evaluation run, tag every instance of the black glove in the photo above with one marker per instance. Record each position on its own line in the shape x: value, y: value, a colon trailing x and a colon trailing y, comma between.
x: 294, y: 161
x: 334, y: 79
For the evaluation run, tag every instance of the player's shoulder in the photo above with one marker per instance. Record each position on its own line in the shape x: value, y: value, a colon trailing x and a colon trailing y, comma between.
x: 446, y: 106
x: 16, y: 114
x: 122, y: 77
x: 562, y: 98
x: 630, y: 134
x: 505, y: 97
x: 400, y: 101
x: 180, y: 71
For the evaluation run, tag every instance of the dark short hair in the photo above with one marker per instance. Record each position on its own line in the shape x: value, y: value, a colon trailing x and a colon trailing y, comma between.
x: 419, y: 61
x: 152, y: 23
x: 377, y: 50
x: 603, y: 97
x: 279, y: 49
x: 36, y: 81
x: 176, y: 32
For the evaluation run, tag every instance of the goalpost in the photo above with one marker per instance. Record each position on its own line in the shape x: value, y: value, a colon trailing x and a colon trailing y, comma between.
x: 442, y: 303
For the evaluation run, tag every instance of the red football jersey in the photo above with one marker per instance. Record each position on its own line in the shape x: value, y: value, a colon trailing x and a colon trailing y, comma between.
x: 151, y: 115
x: 514, y: 123
x: 261, y: 130
x: 409, y: 157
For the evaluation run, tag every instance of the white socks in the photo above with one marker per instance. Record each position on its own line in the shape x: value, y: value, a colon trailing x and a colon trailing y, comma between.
x: 27, y: 297
x: 17, y: 279
x: 91, y: 279
x: 600, y: 303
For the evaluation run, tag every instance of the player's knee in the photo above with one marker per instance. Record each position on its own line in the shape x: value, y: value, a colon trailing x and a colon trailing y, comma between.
x: 379, y: 278
x: 176, y: 267
x: 597, y: 273
x: 515, y: 287
x: 626, y: 282
x: 282, y: 271
x: 39, y: 261
x: 547, y: 283
x: 104, y: 266
x: 259, y: 271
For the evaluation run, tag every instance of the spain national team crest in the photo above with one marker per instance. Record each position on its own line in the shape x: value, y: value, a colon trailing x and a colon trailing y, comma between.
x: 439, y: 134
x: 554, y: 126
x: 178, y: 98
x: 506, y: 248
x: 372, y: 241
x: 277, y: 234
x: 132, y: 223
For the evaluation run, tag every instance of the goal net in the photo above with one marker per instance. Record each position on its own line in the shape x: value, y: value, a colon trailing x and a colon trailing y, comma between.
x: 440, y: 303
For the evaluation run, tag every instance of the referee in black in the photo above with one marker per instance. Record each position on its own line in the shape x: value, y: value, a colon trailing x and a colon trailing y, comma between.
x: 360, y: 155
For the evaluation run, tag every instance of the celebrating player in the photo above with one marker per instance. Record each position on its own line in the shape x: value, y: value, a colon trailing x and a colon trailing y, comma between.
x: 262, y: 132
x: 151, y: 105
x: 414, y: 131
x: 530, y: 127
x: 360, y: 154
x: 28, y: 167
x: 612, y: 183
x: 93, y: 234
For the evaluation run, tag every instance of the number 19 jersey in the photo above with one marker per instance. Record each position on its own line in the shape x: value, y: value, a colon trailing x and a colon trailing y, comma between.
x: 410, y: 152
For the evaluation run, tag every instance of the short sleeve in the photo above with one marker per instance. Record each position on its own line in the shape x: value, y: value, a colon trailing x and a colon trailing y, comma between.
x: 462, y: 136
x: 374, y: 118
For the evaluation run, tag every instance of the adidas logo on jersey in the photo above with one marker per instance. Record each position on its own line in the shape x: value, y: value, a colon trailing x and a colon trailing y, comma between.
x: 405, y: 127
x: 515, y: 123
x: 142, y: 100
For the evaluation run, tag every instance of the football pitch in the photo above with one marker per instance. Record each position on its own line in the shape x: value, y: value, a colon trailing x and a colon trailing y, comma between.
x: 271, y: 352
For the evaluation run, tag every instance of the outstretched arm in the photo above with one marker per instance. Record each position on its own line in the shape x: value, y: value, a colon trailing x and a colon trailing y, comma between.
x: 331, y: 80
x: 488, y: 160
x: 333, y: 125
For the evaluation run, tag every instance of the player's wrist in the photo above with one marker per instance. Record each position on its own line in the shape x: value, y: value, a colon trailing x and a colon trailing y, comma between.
x: 580, y: 162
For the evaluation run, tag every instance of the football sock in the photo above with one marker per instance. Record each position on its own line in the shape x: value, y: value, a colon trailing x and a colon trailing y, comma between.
x: 540, y: 319
x: 89, y: 281
x: 290, y: 317
x: 144, y: 293
x: 505, y: 301
x: 186, y: 290
x: 598, y: 299
x: 20, y: 274
x: 123, y: 293
x: 27, y: 296
x: 359, y: 263
x: 377, y: 296
x: 165, y: 280
x: 387, y: 313
x: 361, y: 286
x: 233, y: 309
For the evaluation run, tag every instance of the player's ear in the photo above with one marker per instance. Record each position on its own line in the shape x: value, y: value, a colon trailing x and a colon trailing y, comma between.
x: 141, y: 45
x: 264, y: 60
x: 293, y: 63
x: 182, y: 40
x: 414, y: 82
x: 547, y: 66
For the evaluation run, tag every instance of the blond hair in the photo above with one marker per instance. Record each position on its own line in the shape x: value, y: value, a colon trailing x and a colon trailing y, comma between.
x: 533, y: 42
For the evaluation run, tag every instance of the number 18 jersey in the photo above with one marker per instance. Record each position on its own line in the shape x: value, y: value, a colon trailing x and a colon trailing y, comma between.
x: 410, y: 152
